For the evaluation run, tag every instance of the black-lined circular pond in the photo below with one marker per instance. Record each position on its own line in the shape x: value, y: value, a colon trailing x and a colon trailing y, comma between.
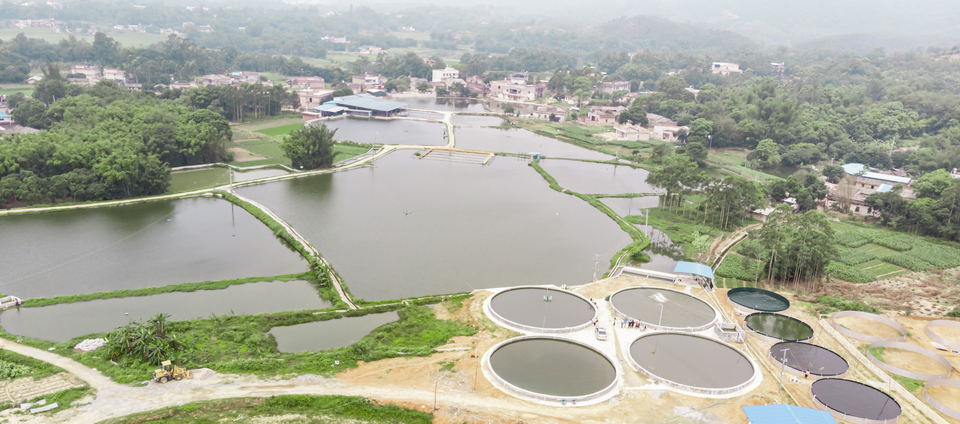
x: 552, y: 367
x: 757, y: 300
x: 541, y: 308
x: 692, y: 362
x: 681, y: 311
x: 778, y: 328
x: 805, y: 357
x: 852, y: 399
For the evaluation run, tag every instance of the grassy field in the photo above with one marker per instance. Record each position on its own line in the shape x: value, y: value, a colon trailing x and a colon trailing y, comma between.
x: 10, y: 89
x: 281, y: 130
x: 50, y: 35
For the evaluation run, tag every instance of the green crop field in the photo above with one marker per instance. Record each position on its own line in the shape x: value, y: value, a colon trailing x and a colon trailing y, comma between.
x: 281, y: 130
x: 50, y: 35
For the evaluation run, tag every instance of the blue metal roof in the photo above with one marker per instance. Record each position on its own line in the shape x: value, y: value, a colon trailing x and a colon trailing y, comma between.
x: 4, y: 115
x: 884, y: 188
x: 786, y: 414
x: 853, y: 168
x: 694, y: 268
x: 324, y: 106
x: 886, y: 177
x: 369, y: 102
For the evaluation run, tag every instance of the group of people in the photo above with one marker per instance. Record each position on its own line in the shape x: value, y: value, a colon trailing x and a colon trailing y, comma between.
x: 630, y: 323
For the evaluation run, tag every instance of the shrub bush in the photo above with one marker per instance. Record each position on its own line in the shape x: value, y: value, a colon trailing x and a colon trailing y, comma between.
x: 740, y: 268
x: 854, y: 257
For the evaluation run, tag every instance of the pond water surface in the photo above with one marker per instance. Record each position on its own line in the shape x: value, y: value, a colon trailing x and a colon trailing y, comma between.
x: 553, y: 367
x: 663, y: 252
x: 397, y: 131
x: 521, y: 141
x: 430, y: 103
x: 135, y: 246
x: 60, y: 323
x: 329, y: 334
x: 597, y: 178
x: 477, y: 121
x: 412, y: 227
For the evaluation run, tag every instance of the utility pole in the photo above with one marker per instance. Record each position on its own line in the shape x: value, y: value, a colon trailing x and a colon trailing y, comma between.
x: 435, y: 386
x: 782, y: 364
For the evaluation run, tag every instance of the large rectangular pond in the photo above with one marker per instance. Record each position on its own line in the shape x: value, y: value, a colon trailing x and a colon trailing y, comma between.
x: 521, y: 141
x: 477, y: 121
x: 413, y: 227
x: 60, y: 323
x: 329, y: 334
x: 597, y: 178
x: 135, y: 246
x: 196, y: 179
x: 397, y: 131
x: 431, y: 103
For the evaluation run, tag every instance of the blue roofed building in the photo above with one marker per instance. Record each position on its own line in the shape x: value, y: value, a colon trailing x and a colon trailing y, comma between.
x: 368, y: 105
x: 786, y: 414
x: 5, y: 119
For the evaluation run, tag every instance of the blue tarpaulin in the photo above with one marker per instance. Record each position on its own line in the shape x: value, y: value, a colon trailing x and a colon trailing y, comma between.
x: 694, y: 268
x: 786, y: 414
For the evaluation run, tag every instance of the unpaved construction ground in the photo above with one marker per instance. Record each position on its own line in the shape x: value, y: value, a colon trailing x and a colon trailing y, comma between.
x: 453, y: 380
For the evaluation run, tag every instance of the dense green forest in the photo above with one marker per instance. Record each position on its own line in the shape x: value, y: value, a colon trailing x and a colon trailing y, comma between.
x: 106, y: 142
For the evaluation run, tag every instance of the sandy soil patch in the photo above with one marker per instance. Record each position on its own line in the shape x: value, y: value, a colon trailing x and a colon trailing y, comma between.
x: 911, y: 361
x: 868, y: 327
x: 243, y: 155
x: 949, y: 333
x: 948, y: 396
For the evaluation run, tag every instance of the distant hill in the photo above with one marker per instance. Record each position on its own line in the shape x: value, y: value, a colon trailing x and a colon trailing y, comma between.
x: 656, y: 33
x: 865, y: 43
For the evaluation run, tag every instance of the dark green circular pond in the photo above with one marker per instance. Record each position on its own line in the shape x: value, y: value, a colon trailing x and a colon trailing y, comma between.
x: 779, y: 327
x: 527, y: 306
x: 553, y: 367
x: 759, y: 300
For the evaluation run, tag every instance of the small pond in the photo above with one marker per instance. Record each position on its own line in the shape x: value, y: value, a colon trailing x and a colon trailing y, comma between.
x: 328, y: 334
x: 663, y: 252
x: 443, y: 104
x: 597, y: 178
x: 477, y: 121
x: 210, y: 177
x: 135, y: 246
x: 60, y: 323
x: 396, y: 131
x: 521, y: 141
x: 432, y: 227
x: 625, y: 206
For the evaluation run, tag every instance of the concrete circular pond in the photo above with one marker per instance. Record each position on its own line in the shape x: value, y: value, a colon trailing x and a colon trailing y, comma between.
x: 551, y: 369
x: 750, y: 300
x: 778, y: 328
x: 802, y: 357
x: 692, y: 362
x: 854, y: 402
x: 680, y: 311
x: 541, y: 309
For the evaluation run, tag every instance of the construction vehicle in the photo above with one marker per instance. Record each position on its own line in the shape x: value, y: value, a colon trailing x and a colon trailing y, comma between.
x: 169, y: 372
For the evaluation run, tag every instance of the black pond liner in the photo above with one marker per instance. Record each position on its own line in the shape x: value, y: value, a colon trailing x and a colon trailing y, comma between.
x: 526, y: 306
x: 778, y: 328
x: 855, y: 399
x: 819, y: 361
x: 758, y: 300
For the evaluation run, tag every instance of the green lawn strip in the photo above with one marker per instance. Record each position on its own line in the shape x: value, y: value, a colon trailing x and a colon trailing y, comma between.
x: 14, y: 366
x: 884, y: 269
x: 846, y: 272
x: 265, y: 122
x: 345, y: 150
x: 640, y: 241
x: 266, y: 147
x: 281, y: 130
x: 309, y: 408
x: 11, y: 89
x: 148, y: 291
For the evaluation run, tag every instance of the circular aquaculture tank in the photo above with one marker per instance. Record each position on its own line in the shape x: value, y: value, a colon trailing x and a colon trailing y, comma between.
x: 937, y: 385
x: 916, y: 364
x: 868, y: 316
x: 854, y: 402
x: 940, y: 339
x: 692, y: 362
x: 552, y: 369
x: 777, y: 327
x: 750, y: 300
x: 541, y: 309
x: 680, y: 311
x: 802, y: 357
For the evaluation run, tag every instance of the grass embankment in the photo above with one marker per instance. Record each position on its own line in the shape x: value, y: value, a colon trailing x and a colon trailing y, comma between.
x: 14, y: 366
x: 301, y: 408
x: 634, y: 249
x: 148, y: 291
x: 258, y: 142
x: 241, y: 344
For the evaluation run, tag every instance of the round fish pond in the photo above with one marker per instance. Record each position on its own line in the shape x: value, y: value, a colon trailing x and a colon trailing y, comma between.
x: 680, y: 311
x: 541, y: 309
x: 777, y: 327
x: 854, y: 402
x: 552, y: 369
x: 751, y: 300
x: 693, y: 363
x: 805, y: 357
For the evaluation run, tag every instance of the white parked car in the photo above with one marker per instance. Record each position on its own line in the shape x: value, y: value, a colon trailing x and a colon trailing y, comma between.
x: 601, y: 333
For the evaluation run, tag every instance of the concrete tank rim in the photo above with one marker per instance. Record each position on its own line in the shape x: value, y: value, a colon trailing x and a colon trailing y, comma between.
x: 716, y: 314
x: 938, y: 338
x: 503, y: 322
x: 867, y: 315
x: 799, y: 372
